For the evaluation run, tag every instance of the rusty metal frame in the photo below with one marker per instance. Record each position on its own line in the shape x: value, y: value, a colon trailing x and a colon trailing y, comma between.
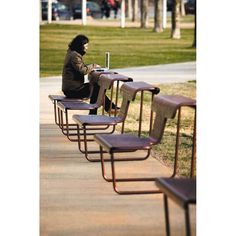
x: 85, y: 140
x: 176, y: 156
x: 114, y: 180
x: 55, y: 99
x: 68, y: 127
x: 186, y: 216
x: 193, y: 158
x: 83, y: 128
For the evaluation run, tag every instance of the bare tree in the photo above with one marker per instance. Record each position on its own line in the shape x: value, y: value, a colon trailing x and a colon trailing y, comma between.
x: 182, y: 8
x: 129, y: 9
x: 122, y: 14
x: 158, y: 19
x: 134, y: 10
x: 175, y: 20
x: 144, y: 13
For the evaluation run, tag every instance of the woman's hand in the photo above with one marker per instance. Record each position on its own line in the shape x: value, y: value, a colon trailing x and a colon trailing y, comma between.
x: 97, y: 66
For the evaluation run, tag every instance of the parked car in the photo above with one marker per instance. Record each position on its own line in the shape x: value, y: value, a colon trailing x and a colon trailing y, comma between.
x: 93, y: 9
x: 190, y: 6
x: 59, y: 11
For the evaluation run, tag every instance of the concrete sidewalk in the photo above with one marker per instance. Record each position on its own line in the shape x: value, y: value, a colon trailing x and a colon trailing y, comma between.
x: 74, y: 198
x: 169, y: 73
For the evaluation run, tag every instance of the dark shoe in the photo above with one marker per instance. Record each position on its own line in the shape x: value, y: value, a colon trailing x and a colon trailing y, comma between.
x: 108, y: 105
x: 93, y: 112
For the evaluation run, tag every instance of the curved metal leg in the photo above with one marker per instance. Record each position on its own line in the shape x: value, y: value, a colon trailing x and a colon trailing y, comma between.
x: 187, y: 221
x: 177, y: 144
x: 114, y: 180
x: 166, y: 209
x: 193, y: 148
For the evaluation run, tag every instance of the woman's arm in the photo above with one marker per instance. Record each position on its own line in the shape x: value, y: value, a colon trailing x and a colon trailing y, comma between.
x: 78, y: 64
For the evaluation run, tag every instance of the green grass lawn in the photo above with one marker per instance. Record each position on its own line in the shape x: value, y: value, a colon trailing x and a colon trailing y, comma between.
x: 128, y: 47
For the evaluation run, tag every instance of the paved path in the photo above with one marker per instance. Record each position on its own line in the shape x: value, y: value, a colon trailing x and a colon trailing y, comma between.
x: 170, y: 73
x: 76, y: 201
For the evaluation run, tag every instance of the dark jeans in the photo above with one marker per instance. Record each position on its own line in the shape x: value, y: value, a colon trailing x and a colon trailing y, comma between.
x: 84, y: 91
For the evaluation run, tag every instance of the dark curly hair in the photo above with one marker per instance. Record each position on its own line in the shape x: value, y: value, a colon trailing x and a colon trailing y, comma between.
x: 77, y: 43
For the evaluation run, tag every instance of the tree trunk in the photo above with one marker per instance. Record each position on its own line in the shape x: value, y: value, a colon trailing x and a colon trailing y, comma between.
x: 158, y: 19
x: 129, y: 10
x: 182, y: 9
x: 164, y: 13
x: 122, y: 14
x: 175, y: 18
x: 134, y: 10
x: 144, y: 13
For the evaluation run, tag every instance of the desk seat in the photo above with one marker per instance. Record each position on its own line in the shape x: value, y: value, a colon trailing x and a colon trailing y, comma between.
x: 96, y: 120
x: 183, y: 192
x: 54, y: 98
x: 122, y: 142
x: 180, y: 190
x: 75, y: 105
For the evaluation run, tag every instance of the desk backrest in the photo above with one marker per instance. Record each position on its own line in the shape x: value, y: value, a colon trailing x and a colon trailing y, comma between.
x: 106, y: 81
x: 129, y: 91
x: 165, y: 107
